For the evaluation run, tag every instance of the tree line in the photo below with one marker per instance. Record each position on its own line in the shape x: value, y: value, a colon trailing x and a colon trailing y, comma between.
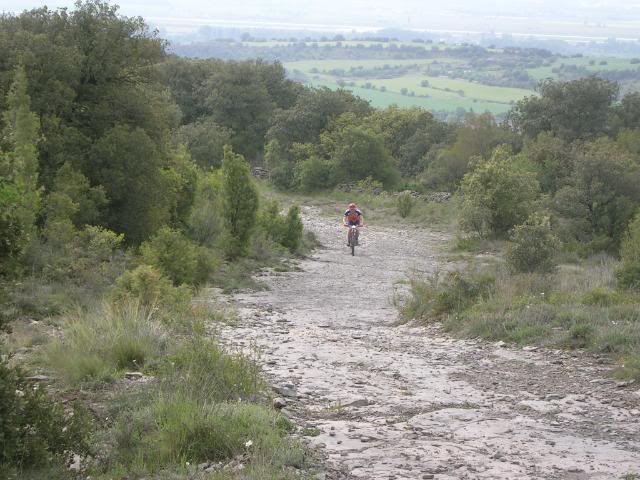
x: 115, y: 132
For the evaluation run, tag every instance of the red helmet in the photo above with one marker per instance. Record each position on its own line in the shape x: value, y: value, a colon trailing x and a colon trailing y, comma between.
x: 352, y: 206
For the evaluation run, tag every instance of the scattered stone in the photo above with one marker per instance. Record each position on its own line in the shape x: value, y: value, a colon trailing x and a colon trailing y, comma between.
x: 133, y: 375
x: 553, y: 396
x: 38, y: 378
x: 285, y: 392
x: 260, y: 172
x: 279, y: 403
x: 361, y: 402
x: 625, y: 384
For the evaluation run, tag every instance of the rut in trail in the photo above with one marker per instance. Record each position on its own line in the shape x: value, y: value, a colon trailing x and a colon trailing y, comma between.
x: 408, y: 402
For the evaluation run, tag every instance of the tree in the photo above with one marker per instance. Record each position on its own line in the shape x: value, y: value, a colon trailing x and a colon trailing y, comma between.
x: 280, y: 165
x: 20, y: 194
x: 127, y: 163
x: 311, y: 114
x: 88, y: 69
x: 478, y: 137
x: 240, y: 199
x: 357, y: 153
x: 602, y: 195
x: 91, y: 201
x: 578, y: 109
x: 496, y: 195
x: 205, y: 140
x: 398, y: 125
x: 553, y: 158
x: 240, y: 96
x: 627, y: 113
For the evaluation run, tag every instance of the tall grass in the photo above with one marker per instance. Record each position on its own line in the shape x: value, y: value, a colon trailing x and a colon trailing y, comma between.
x: 203, y: 405
x: 98, y: 344
x: 575, y: 307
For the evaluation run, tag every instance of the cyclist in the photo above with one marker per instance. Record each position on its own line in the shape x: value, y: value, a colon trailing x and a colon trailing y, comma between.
x: 353, y: 216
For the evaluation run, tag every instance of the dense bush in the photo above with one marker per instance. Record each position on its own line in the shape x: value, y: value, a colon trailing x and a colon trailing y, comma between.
x: 206, y: 223
x: 496, y: 195
x: 240, y: 201
x: 192, y: 265
x: 314, y: 174
x: 293, y: 229
x: 404, y: 204
x: 146, y: 284
x: 533, y: 246
x: 284, y: 230
x: 629, y: 272
x: 36, y: 431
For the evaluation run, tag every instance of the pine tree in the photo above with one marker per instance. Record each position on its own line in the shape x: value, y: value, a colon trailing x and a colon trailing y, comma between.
x: 293, y: 230
x: 21, y: 132
x: 19, y: 192
x: 240, y: 202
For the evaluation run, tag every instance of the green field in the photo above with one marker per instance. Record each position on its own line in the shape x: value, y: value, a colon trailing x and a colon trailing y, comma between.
x: 456, y: 77
x: 446, y: 94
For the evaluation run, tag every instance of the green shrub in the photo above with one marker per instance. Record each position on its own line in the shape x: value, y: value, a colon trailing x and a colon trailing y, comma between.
x: 284, y: 230
x: 178, y: 258
x: 533, y: 246
x: 404, y: 204
x: 496, y: 195
x: 35, y: 431
x: 240, y: 199
x: 581, y: 335
x: 150, y: 288
x: 629, y: 272
x: 453, y: 294
x: 315, y: 174
x: 205, y: 222
x: 271, y: 222
x: 293, y: 229
x: 14, y: 234
x: 598, y: 297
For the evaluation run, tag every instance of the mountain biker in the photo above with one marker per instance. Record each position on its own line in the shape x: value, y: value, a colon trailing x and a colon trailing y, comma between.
x: 353, y: 216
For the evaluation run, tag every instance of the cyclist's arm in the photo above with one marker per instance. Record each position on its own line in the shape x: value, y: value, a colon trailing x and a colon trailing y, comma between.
x: 361, y: 220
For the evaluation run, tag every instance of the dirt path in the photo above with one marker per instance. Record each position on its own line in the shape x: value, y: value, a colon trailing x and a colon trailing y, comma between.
x: 400, y: 402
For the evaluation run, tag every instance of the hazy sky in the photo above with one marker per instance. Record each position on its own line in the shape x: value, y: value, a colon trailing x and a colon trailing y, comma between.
x: 558, y: 17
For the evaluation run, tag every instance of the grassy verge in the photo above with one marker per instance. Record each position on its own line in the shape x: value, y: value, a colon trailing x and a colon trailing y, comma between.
x: 377, y: 209
x: 577, y: 306
x: 189, y: 410
x: 161, y: 397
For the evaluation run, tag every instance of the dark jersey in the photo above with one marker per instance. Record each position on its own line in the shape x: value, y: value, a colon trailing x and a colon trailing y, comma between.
x: 353, y: 217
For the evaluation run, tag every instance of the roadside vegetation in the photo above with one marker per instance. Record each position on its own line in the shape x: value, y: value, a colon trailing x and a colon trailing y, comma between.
x: 112, y: 232
x: 556, y: 222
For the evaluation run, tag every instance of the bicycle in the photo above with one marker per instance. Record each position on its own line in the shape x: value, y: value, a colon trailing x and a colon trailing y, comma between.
x: 352, y: 237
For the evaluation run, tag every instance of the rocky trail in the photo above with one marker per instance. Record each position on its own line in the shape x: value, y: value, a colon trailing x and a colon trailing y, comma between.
x: 383, y: 401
